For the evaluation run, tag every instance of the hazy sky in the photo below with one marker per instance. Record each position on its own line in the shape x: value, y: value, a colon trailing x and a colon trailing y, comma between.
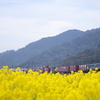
x: 25, y: 21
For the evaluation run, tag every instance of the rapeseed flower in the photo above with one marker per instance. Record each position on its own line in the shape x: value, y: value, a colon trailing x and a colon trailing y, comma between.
x: 20, y: 85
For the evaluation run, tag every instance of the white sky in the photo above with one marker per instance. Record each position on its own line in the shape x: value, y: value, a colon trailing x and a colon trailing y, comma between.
x: 26, y: 21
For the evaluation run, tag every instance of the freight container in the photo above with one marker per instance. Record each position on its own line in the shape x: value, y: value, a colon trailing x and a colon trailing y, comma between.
x: 42, y: 69
x: 47, y: 69
x: 74, y: 68
x: 37, y: 70
x: 67, y: 69
x: 83, y: 67
x: 61, y: 69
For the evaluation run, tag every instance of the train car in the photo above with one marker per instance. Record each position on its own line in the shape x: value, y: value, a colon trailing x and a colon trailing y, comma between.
x: 37, y: 69
x: 42, y: 69
x: 74, y: 68
x: 84, y: 68
x: 68, y: 69
x: 48, y: 69
x: 63, y: 69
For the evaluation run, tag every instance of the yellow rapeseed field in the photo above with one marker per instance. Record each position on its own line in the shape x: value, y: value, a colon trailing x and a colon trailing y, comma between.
x: 19, y: 85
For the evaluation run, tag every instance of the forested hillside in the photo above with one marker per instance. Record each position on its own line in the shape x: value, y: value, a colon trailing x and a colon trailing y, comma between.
x: 58, y: 53
x: 15, y: 58
x: 88, y: 56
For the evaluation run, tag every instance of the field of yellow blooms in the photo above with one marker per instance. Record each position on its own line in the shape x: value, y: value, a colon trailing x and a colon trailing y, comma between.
x: 19, y: 85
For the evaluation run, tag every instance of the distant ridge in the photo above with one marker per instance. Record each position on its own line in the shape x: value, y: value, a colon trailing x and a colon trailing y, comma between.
x: 88, y: 56
x: 90, y: 39
x: 14, y: 58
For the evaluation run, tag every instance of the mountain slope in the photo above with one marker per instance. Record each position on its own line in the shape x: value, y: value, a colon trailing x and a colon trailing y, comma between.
x: 60, y: 52
x: 88, y: 56
x: 35, y: 48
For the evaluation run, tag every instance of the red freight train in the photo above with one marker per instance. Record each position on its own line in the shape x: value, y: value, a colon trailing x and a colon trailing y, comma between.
x: 63, y: 69
x: 67, y: 69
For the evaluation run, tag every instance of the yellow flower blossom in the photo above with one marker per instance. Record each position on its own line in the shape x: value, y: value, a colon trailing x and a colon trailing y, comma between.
x: 18, y: 68
x: 96, y: 69
x: 5, y: 67
x: 19, y: 85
